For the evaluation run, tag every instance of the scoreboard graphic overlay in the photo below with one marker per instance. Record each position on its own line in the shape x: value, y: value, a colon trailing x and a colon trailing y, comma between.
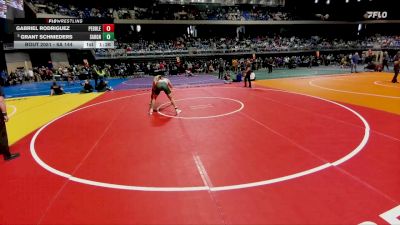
x: 63, y: 34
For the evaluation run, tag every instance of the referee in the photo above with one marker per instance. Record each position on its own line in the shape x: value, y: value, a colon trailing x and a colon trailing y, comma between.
x: 247, y: 76
x: 4, y: 149
x: 396, y: 67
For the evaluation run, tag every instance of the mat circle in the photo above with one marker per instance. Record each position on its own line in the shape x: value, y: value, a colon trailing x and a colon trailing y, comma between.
x: 347, y: 157
x: 202, y: 117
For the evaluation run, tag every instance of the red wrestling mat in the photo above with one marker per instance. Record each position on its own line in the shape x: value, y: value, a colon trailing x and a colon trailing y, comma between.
x: 233, y: 156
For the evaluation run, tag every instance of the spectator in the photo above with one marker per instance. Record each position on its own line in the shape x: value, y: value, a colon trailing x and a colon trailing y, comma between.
x: 354, y: 61
x: 396, y: 67
x: 87, y: 87
x: 227, y: 78
x: 56, y: 89
x: 4, y: 148
x: 103, y: 86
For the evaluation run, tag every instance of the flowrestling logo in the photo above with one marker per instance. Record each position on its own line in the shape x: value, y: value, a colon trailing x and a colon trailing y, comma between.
x: 375, y: 15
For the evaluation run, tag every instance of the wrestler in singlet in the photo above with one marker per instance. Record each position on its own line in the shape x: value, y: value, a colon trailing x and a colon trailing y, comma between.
x: 161, y: 85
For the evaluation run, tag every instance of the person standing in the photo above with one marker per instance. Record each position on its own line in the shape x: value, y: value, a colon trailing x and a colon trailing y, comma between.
x: 270, y: 64
x: 247, y: 76
x: 3, y: 77
x: 221, y: 69
x: 354, y: 61
x: 95, y: 74
x: 396, y: 67
x: 385, y: 61
x: 4, y: 148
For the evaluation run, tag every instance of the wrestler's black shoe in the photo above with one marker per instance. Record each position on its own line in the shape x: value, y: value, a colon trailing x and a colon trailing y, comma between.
x: 12, y: 156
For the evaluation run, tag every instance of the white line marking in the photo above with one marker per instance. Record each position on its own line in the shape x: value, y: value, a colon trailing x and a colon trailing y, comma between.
x: 271, y: 181
x: 201, y: 117
x: 311, y: 83
x: 203, y: 188
x: 189, y: 83
x: 314, y: 170
x: 380, y: 84
x: 202, y: 171
x: 207, y: 182
x: 363, y: 142
x: 95, y: 183
x: 13, y: 112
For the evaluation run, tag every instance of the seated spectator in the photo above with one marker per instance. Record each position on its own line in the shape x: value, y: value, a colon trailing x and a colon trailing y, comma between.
x: 103, y: 86
x: 227, y: 78
x: 56, y: 89
x: 87, y: 87
x: 188, y: 73
x: 371, y: 66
